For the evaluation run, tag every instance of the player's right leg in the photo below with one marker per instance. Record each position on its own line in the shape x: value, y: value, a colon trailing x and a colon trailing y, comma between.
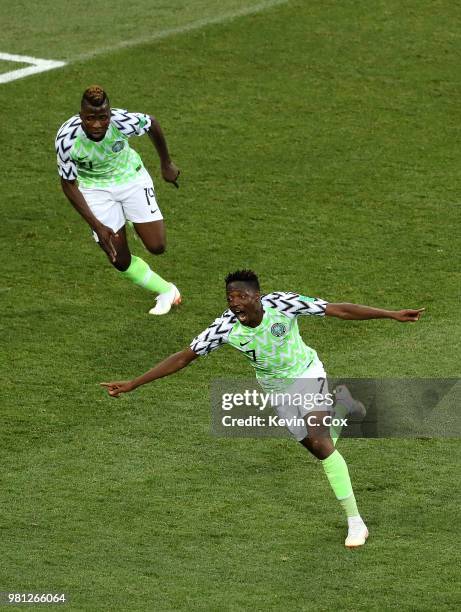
x: 123, y: 255
x: 109, y: 212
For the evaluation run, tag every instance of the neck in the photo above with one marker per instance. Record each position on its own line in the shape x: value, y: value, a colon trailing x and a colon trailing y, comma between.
x: 93, y: 138
x: 257, y: 318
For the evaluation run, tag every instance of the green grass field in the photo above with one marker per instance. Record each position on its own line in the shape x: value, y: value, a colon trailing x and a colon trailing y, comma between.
x: 319, y: 145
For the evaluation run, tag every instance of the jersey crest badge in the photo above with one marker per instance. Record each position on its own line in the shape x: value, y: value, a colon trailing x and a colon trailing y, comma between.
x: 118, y: 146
x: 278, y: 330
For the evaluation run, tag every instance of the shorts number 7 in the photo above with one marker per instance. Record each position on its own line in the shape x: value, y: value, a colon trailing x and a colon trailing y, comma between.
x: 322, y: 380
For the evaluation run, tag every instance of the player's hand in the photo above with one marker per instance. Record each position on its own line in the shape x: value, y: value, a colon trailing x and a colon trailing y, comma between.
x: 115, y: 388
x: 107, y: 237
x: 170, y: 173
x: 408, y: 315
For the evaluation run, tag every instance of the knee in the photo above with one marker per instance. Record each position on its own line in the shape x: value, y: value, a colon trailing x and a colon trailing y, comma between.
x: 122, y: 263
x: 156, y: 249
x: 122, y: 259
x: 319, y: 447
x: 314, y: 445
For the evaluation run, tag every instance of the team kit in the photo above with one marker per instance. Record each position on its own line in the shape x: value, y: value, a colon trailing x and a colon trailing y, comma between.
x: 106, y: 182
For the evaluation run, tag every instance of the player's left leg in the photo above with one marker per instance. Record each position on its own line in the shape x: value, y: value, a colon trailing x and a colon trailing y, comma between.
x: 140, y: 207
x: 320, y: 444
x: 153, y: 235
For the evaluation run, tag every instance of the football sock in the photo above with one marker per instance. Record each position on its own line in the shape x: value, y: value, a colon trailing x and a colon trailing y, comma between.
x: 335, y: 430
x: 139, y: 272
x: 338, y: 476
x: 350, y: 506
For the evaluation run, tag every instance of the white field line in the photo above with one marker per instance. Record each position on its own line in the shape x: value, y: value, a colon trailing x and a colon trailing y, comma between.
x: 36, y: 65
x: 41, y: 65
x: 188, y: 27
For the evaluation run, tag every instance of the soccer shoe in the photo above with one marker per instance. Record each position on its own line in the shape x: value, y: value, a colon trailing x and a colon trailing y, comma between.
x: 354, y: 407
x: 357, y: 533
x: 165, y: 301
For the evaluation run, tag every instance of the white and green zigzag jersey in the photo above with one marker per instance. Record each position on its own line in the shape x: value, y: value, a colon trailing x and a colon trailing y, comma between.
x: 275, y: 348
x: 106, y: 163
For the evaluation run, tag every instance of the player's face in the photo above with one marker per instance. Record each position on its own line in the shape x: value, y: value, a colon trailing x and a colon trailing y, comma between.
x: 95, y: 120
x: 244, y: 302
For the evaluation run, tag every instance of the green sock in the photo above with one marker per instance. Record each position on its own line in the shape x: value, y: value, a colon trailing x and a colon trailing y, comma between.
x: 139, y: 272
x: 350, y: 506
x: 335, y: 430
x: 338, y: 475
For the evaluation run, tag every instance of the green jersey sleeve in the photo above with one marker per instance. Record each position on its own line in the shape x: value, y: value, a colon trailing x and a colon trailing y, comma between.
x: 130, y: 124
x: 215, y: 335
x: 294, y: 304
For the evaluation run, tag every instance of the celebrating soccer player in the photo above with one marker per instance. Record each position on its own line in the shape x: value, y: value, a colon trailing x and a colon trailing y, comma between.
x: 106, y: 182
x: 264, y: 329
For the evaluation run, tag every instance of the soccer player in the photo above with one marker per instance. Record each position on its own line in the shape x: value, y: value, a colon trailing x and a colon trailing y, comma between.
x: 264, y: 329
x: 106, y: 182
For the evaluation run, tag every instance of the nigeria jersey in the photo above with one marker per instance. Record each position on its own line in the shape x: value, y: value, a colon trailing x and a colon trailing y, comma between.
x: 106, y: 163
x: 275, y: 348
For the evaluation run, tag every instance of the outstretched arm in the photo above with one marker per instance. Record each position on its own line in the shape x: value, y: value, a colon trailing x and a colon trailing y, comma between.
x: 168, y: 366
x: 170, y: 172
x: 355, y: 312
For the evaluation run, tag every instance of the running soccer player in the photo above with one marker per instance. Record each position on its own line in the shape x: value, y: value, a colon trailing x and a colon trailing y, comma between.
x: 264, y: 328
x: 106, y: 182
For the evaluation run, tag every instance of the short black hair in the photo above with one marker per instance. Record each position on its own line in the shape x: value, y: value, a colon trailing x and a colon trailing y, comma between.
x: 95, y: 96
x: 243, y: 276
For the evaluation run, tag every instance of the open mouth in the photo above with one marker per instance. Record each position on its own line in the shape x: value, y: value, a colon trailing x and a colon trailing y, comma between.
x: 240, y: 314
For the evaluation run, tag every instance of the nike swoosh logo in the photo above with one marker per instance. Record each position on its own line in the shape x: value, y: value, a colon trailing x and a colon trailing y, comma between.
x: 245, y: 343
